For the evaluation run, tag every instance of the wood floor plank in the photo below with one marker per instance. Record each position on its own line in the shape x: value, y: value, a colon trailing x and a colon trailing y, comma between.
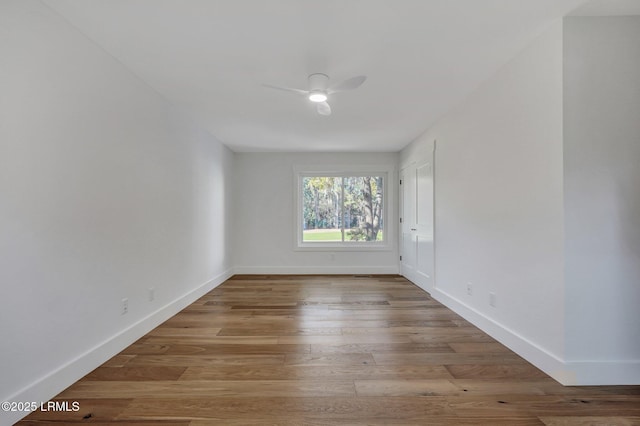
x: 209, y: 388
x: 328, y: 350
x: 145, y: 349
x: 421, y: 331
x: 163, y: 331
x: 549, y: 405
x: 269, y: 331
x: 268, y: 408
x: 205, y: 360
x: 329, y: 359
x: 509, y: 386
x: 383, y: 348
x: 406, y: 388
x: 495, y: 371
x: 139, y: 373
x: 217, y: 340
x: 414, y: 303
x: 468, y: 388
x: 221, y: 349
x: 424, y: 323
x: 445, y: 358
x: 589, y: 421
x: 326, y: 372
x: 345, y: 340
x: 452, y: 338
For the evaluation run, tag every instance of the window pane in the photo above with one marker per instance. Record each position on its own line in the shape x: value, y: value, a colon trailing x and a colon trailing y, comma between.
x: 327, y: 217
x: 363, y: 198
x: 321, y: 209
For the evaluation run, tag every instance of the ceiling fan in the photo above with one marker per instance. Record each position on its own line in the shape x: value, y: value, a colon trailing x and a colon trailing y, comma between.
x: 319, y: 90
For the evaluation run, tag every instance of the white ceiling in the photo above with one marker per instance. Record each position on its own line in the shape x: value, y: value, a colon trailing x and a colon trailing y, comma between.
x: 608, y: 8
x: 211, y: 57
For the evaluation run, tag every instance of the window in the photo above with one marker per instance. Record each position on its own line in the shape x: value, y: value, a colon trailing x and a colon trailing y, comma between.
x: 341, y: 209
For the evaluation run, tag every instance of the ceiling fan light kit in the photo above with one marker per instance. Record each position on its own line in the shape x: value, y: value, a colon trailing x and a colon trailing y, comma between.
x: 317, y: 97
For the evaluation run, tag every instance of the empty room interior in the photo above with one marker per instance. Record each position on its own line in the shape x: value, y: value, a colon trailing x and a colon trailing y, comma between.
x: 320, y: 212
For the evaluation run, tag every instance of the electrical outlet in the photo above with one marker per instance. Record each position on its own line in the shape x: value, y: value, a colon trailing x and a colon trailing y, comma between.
x: 470, y: 289
x: 125, y: 306
x: 152, y: 294
x: 492, y: 299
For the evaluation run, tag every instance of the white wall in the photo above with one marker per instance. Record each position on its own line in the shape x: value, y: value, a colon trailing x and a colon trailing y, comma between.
x: 537, y: 201
x: 498, y: 203
x: 265, y: 216
x: 105, y: 191
x: 602, y: 196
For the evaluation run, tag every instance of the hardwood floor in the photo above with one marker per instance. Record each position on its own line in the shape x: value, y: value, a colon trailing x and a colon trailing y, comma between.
x: 328, y: 350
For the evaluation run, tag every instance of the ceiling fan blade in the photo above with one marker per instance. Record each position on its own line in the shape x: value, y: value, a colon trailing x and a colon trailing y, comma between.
x: 286, y: 89
x: 350, y: 84
x: 323, y: 108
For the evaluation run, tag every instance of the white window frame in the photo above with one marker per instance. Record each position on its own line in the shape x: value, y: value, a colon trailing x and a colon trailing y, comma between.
x: 300, y: 172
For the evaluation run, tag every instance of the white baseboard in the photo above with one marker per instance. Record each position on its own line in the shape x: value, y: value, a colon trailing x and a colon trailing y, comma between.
x: 56, y: 381
x: 580, y: 373
x: 418, y: 279
x: 544, y: 360
x: 322, y: 270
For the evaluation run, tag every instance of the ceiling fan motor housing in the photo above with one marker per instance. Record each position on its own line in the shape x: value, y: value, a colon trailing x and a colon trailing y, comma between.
x: 318, y: 84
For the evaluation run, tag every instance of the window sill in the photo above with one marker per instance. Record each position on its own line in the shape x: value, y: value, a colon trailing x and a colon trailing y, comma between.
x: 341, y: 247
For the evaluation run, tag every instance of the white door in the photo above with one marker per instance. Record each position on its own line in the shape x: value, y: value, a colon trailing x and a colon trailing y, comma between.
x: 417, y: 250
x: 424, y: 224
x: 407, y: 222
